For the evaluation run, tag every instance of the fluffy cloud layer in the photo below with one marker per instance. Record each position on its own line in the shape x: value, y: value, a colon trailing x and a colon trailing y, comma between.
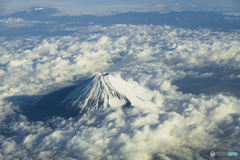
x: 17, y: 22
x: 195, y: 125
x: 184, y: 127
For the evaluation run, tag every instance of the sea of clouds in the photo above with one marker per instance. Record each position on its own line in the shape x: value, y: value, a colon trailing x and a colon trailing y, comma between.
x: 186, y: 126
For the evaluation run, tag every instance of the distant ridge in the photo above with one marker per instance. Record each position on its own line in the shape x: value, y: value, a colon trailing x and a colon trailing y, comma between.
x: 34, y: 13
x: 183, y: 19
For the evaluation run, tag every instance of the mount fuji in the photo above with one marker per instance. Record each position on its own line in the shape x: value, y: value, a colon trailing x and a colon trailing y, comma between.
x: 100, y: 92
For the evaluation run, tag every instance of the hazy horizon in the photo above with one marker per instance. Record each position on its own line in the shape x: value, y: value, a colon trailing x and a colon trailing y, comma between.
x: 103, y: 7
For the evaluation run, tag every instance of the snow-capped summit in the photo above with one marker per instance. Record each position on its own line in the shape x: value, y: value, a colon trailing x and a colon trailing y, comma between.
x: 35, y: 9
x: 98, y: 92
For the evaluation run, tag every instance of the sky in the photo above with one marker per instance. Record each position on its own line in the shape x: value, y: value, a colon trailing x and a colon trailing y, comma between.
x: 99, y: 7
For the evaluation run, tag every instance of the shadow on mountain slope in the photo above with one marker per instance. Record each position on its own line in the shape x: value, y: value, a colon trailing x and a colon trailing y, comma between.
x: 42, y: 107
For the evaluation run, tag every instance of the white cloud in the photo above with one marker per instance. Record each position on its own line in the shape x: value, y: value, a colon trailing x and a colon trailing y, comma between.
x: 141, y: 135
x: 17, y: 22
x: 177, y: 125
